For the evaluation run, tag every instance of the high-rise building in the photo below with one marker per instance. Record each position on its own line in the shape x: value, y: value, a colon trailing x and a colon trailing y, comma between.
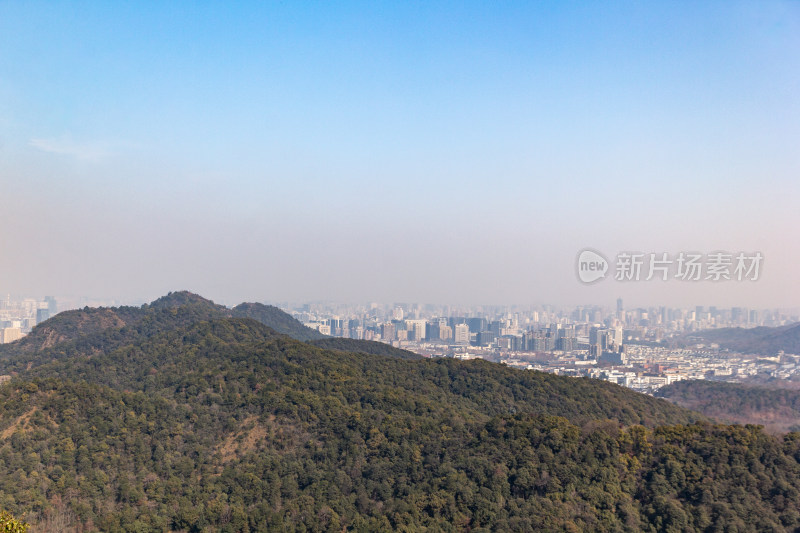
x: 485, y: 338
x: 336, y: 324
x: 542, y: 343
x: 509, y: 342
x: 462, y: 334
x: 42, y: 315
x: 618, y: 338
x: 52, y: 306
x: 598, y: 341
x: 433, y: 331
x: 566, y: 344
x: 477, y: 324
x: 416, y: 329
x: 388, y: 332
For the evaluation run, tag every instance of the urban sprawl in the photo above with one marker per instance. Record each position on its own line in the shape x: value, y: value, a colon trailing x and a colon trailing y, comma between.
x: 631, y: 347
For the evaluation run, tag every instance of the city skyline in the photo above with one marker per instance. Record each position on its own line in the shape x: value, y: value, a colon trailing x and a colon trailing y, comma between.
x: 71, y: 302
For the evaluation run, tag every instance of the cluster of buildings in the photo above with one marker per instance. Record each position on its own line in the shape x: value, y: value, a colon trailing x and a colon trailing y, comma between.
x: 18, y: 317
x: 647, y: 368
x: 619, y: 345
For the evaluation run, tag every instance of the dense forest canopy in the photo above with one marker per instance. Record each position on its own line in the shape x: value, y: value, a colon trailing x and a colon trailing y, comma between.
x: 777, y: 409
x: 181, y: 416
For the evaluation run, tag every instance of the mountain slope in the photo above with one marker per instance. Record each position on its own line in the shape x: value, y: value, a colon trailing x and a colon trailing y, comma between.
x: 298, y: 460
x: 239, y: 350
x: 190, y: 421
x: 761, y: 340
x: 776, y: 409
x: 369, y: 347
x: 70, y: 325
x: 91, y: 330
x: 277, y: 319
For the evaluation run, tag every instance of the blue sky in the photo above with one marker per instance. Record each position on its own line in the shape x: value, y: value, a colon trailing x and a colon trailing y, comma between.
x: 416, y: 151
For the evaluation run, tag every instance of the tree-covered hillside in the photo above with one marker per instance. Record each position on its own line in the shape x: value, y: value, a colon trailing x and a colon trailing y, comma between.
x: 778, y: 409
x: 370, y: 347
x: 81, y: 323
x: 186, y: 421
x: 761, y: 340
x: 277, y: 320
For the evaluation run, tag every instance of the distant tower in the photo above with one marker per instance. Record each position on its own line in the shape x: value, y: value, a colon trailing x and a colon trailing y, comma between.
x: 620, y: 308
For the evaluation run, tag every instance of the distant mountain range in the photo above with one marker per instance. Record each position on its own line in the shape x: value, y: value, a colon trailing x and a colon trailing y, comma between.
x: 183, y: 415
x: 778, y: 409
x: 760, y: 340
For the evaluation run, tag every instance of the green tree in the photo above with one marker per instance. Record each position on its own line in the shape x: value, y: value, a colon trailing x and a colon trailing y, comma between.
x: 10, y: 524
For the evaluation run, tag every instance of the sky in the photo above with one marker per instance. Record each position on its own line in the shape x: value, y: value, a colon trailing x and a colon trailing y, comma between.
x: 435, y: 152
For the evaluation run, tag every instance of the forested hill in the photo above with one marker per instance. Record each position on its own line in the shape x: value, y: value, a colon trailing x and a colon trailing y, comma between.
x: 776, y: 409
x: 277, y: 320
x: 88, y: 324
x: 370, y: 347
x: 172, y: 353
x: 71, y: 325
x: 181, y: 420
x: 761, y: 340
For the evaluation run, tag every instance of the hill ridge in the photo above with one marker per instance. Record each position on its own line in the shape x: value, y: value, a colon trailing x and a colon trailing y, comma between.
x: 189, y: 419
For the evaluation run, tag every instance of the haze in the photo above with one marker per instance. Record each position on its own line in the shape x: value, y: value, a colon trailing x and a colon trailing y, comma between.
x: 433, y: 152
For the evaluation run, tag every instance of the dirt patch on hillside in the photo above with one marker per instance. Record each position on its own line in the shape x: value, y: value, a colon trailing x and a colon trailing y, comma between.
x: 243, y: 441
x: 24, y: 423
x: 21, y: 423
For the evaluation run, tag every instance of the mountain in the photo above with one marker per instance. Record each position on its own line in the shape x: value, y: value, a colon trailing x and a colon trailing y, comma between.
x: 73, y: 324
x: 369, y: 347
x: 102, y: 328
x: 181, y: 299
x: 777, y: 409
x: 172, y: 350
x: 185, y: 420
x: 277, y: 320
x: 761, y: 340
